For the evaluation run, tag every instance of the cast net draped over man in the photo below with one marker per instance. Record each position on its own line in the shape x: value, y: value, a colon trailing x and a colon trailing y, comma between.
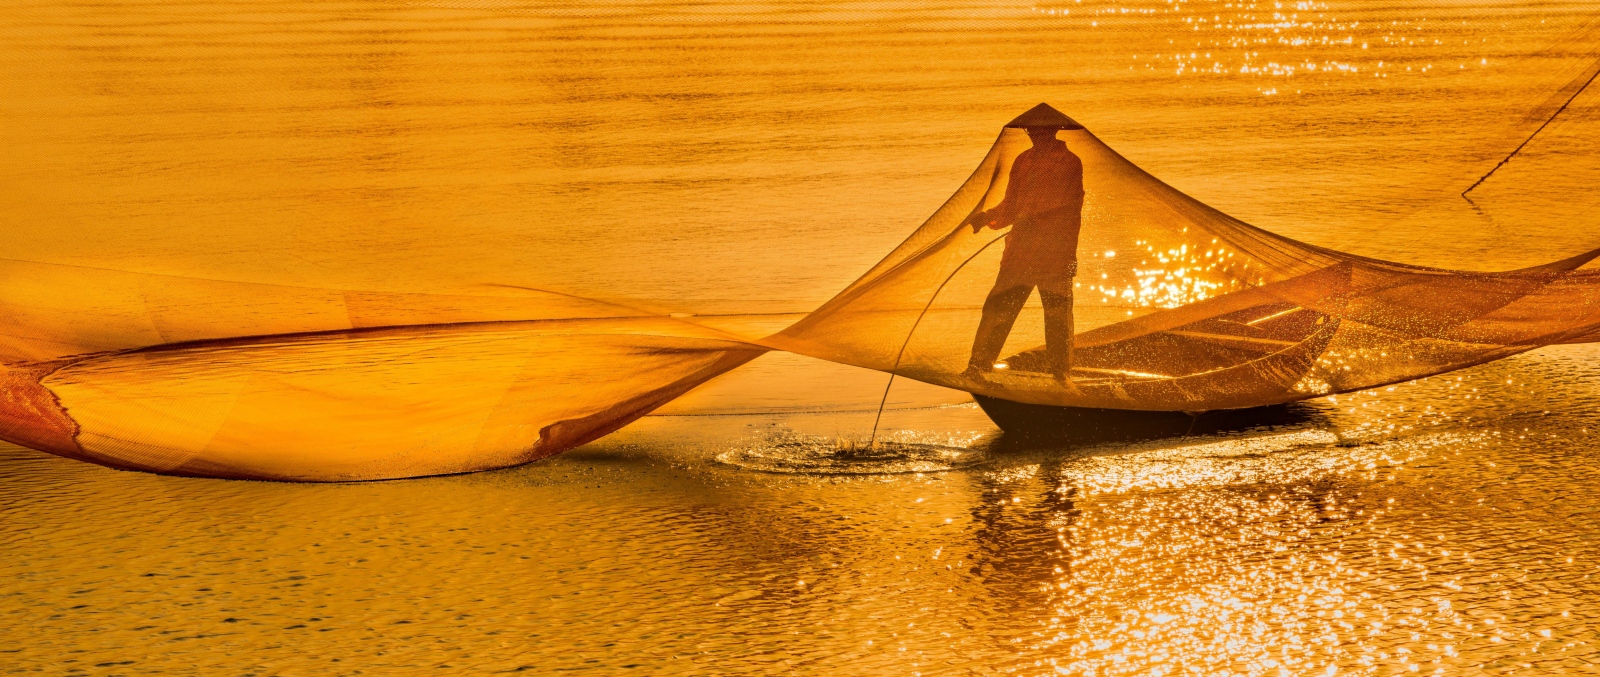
x: 1148, y: 299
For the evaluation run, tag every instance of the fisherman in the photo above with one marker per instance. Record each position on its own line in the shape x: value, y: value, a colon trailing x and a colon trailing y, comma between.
x: 1043, y: 206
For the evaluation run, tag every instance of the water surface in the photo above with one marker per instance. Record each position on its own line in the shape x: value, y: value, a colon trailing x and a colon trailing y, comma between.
x: 757, y: 160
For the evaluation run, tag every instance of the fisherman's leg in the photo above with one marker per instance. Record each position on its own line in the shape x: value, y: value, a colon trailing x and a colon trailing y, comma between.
x: 1000, y: 311
x: 1058, y: 329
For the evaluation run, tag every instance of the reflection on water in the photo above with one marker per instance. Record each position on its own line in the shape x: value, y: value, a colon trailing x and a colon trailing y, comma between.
x: 1379, y: 538
x: 727, y: 159
x: 1341, y: 542
x: 788, y: 452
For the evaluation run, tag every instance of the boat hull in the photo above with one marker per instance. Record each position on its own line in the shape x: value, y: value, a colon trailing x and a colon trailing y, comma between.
x: 1057, y: 424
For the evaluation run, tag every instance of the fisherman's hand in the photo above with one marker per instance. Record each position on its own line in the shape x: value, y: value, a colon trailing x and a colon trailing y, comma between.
x: 978, y: 220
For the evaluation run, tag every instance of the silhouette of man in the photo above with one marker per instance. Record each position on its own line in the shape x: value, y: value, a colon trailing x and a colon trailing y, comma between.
x: 1044, y: 207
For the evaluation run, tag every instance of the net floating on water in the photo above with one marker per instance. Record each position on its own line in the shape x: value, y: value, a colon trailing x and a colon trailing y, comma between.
x: 1174, y: 306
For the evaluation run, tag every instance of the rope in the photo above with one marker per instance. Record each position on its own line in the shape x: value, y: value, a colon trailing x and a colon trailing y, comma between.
x: 1526, y: 141
x: 873, y: 440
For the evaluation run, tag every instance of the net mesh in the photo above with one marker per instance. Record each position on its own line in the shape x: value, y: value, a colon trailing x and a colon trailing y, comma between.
x: 1059, y: 273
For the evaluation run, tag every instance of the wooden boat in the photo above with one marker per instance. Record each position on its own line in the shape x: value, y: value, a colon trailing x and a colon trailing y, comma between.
x: 1244, y: 358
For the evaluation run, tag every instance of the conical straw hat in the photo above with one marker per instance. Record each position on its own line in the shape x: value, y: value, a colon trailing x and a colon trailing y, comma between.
x: 1044, y: 116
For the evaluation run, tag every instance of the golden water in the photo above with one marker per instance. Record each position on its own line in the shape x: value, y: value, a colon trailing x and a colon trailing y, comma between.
x: 757, y: 159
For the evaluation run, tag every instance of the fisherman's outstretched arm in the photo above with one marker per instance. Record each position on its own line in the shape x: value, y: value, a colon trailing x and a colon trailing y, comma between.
x: 1002, y: 214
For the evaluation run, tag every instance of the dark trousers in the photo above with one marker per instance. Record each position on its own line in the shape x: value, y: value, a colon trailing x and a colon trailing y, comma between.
x: 1000, y: 312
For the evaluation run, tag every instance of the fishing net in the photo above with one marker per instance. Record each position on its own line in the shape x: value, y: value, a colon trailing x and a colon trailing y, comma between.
x: 1169, y: 304
x: 1059, y: 273
x: 227, y: 379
